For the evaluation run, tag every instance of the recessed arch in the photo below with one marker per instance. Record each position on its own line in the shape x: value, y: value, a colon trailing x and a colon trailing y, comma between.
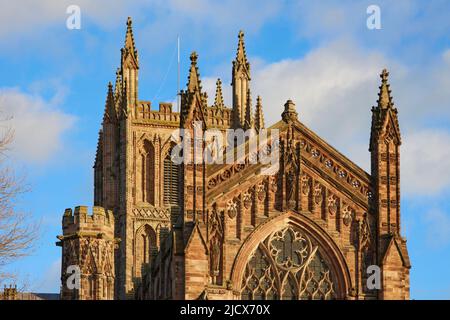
x: 145, y: 174
x: 144, y: 242
x: 311, y: 259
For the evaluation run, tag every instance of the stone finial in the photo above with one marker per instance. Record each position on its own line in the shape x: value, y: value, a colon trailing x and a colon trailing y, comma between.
x: 289, y: 114
x: 194, y: 57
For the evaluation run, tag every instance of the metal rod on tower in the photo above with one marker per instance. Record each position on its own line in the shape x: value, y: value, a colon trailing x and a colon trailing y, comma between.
x: 178, y: 75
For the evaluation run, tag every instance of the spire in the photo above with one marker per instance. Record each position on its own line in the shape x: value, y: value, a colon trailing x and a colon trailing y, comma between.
x: 384, y: 97
x: 240, y: 81
x: 110, y: 114
x: 218, y: 101
x: 241, y: 56
x: 129, y: 69
x: 193, y: 100
x: 129, y: 38
x: 248, y: 111
x: 194, y: 83
x: 259, y: 116
x: 384, y: 116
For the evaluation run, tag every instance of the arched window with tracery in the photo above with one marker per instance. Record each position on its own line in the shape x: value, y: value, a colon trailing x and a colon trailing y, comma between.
x: 288, y: 265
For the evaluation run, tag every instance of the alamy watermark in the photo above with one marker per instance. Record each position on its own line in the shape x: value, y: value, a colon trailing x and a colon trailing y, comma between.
x: 231, y: 146
x: 73, y: 21
x: 373, y: 21
x: 374, y: 277
x: 73, y: 280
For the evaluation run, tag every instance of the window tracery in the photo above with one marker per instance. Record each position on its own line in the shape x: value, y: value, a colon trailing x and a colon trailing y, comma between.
x: 288, y: 265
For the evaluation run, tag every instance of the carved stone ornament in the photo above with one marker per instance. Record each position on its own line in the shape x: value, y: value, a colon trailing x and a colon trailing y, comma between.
x: 273, y: 183
x: 305, y: 184
x: 364, y: 233
x: 347, y: 215
x: 232, y: 209
x: 261, y: 192
x: 318, y: 191
x: 247, y: 199
x: 332, y: 204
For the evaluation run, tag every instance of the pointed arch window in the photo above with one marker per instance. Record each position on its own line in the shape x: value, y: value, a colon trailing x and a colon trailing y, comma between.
x: 147, y: 174
x: 288, y: 265
x: 145, y: 240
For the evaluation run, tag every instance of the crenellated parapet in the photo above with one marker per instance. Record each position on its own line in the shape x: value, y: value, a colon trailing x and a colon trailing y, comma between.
x: 164, y: 115
x: 88, y: 245
x: 81, y: 221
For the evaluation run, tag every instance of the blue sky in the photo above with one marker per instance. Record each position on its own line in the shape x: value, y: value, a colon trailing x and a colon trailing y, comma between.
x: 53, y: 82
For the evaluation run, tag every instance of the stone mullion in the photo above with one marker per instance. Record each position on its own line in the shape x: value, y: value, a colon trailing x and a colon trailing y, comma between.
x: 254, y: 207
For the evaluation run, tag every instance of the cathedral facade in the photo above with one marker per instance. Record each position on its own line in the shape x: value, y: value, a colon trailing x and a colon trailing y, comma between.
x: 317, y: 227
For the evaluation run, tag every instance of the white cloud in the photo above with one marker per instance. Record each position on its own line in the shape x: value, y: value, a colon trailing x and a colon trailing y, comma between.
x: 425, y: 161
x: 30, y: 16
x: 401, y: 21
x: 37, y: 124
x: 332, y: 86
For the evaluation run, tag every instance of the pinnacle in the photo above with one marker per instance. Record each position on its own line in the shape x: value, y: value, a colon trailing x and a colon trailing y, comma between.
x: 129, y: 38
x: 218, y: 101
x: 109, y: 106
x: 241, y: 56
x: 384, y: 96
x: 194, y: 78
x: 259, y: 117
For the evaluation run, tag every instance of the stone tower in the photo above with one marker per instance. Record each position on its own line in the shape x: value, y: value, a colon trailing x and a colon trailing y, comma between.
x: 385, y: 141
x: 88, y: 243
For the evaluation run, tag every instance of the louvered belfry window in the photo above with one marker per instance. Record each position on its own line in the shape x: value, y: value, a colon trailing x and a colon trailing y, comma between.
x: 171, y: 182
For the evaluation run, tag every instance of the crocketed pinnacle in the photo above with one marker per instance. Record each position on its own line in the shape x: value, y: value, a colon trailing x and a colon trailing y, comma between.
x: 194, y: 83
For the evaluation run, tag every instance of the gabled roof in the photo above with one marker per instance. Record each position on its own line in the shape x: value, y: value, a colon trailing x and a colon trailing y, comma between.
x: 394, y: 242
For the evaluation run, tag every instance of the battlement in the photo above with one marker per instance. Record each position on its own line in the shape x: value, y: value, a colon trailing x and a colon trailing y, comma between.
x: 165, y: 112
x: 80, y: 220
